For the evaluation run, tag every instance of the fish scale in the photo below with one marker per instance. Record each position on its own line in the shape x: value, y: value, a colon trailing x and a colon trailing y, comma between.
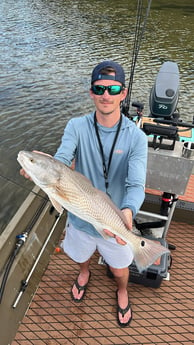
x: 70, y: 190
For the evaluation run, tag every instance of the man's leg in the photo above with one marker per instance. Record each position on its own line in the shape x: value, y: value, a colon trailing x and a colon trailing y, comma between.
x: 82, y: 280
x: 79, y: 246
x: 121, y: 276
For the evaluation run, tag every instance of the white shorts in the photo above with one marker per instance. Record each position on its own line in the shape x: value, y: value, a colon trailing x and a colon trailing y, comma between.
x: 80, y: 246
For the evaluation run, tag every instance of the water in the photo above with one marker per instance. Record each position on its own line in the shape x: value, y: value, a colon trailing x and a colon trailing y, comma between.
x: 48, y: 50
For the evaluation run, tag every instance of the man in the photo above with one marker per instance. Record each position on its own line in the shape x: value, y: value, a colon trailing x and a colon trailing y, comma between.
x: 111, y: 151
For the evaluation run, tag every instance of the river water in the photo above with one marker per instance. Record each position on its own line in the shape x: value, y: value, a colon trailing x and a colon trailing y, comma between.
x: 48, y: 49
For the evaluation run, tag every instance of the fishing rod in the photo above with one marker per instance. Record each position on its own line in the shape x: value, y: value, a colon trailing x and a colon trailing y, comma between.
x: 139, y: 32
x: 24, y: 283
x: 176, y: 123
x: 20, y: 240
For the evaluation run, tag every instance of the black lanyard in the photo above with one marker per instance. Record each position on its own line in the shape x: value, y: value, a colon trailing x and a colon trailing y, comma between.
x: 106, y: 169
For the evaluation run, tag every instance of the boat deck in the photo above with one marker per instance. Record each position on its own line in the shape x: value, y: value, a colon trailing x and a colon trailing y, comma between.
x: 162, y: 315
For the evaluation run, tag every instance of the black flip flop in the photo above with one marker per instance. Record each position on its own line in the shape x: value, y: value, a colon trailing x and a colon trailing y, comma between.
x: 80, y: 288
x: 123, y: 312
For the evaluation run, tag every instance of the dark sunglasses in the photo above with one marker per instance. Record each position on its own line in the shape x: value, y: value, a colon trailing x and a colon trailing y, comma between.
x: 112, y: 89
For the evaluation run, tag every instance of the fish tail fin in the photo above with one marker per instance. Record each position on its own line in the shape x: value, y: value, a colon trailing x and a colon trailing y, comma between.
x: 149, y: 252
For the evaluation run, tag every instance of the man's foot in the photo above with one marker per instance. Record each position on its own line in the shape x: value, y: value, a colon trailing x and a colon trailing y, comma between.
x: 79, y: 287
x: 124, y: 311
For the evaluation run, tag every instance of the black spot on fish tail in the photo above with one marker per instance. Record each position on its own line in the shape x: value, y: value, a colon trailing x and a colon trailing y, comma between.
x: 147, y: 253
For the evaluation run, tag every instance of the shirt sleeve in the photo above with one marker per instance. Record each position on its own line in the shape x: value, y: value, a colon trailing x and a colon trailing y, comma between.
x: 67, y: 149
x: 135, y: 181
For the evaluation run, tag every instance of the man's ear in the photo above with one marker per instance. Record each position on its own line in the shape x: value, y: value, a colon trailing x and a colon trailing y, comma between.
x: 91, y: 94
x: 124, y: 94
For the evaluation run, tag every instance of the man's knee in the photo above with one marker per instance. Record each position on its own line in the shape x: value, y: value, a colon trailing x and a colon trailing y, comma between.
x: 119, y: 272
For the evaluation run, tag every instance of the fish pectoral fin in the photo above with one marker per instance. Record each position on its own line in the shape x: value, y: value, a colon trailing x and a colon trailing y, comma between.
x: 56, y: 205
x: 101, y: 232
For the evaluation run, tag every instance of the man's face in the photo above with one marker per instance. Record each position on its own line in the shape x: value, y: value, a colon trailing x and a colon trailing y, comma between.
x: 106, y: 104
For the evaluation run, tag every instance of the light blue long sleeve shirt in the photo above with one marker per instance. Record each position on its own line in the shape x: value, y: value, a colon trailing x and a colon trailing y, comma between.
x: 127, y: 172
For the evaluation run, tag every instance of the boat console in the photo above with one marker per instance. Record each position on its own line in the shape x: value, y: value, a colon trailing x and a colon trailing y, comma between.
x: 170, y: 144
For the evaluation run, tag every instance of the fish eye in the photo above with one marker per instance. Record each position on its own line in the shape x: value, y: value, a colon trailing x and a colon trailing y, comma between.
x: 31, y: 160
x: 142, y: 243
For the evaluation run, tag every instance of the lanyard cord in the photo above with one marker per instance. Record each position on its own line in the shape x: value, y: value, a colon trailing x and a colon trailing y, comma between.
x: 105, y: 169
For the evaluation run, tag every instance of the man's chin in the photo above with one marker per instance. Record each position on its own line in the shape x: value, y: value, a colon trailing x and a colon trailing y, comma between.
x: 106, y: 110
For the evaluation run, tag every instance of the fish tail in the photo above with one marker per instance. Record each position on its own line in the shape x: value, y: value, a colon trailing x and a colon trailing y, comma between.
x: 148, y: 253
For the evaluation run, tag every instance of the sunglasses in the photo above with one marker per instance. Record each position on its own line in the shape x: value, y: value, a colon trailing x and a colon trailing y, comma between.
x: 112, y: 89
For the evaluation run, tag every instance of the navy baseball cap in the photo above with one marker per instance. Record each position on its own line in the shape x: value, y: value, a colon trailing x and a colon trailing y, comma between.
x: 119, y: 72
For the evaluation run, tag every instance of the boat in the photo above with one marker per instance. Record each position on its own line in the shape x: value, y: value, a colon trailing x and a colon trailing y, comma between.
x: 31, y: 241
x: 35, y: 275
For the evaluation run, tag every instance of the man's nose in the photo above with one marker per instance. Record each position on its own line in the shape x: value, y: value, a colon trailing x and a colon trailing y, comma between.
x: 105, y: 94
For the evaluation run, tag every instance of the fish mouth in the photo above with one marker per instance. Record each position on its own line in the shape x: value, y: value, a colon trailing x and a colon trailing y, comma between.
x: 20, y: 157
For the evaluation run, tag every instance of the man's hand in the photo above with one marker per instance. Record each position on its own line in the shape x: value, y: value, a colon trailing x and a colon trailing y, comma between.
x: 128, y: 222
x: 128, y: 215
x: 23, y: 173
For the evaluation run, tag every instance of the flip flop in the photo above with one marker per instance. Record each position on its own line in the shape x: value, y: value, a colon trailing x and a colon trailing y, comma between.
x: 80, y: 288
x: 123, y: 312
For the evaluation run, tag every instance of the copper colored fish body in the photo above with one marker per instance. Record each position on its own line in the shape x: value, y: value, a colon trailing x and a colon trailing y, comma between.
x: 72, y: 191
